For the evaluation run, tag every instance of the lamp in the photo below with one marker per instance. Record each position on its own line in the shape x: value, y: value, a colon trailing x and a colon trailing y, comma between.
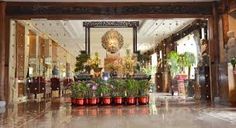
x: 112, y: 41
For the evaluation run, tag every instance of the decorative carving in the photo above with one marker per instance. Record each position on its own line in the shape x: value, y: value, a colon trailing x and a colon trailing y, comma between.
x: 112, y: 41
x: 107, y: 9
x: 100, y: 24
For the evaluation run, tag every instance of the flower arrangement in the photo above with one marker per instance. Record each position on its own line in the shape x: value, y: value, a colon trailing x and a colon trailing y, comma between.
x: 128, y: 63
x: 94, y: 61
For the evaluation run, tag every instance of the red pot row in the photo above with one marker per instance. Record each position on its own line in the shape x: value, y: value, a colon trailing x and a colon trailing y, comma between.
x: 109, y: 101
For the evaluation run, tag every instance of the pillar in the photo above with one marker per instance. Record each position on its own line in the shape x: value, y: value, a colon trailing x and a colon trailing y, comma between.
x: 214, y: 54
x: 3, y: 87
x: 12, y: 63
x: 36, y: 72
x: 135, y: 40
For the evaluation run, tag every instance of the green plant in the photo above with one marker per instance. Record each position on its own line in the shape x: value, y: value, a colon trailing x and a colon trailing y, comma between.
x: 119, y: 87
x: 94, y: 61
x: 178, y: 62
x: 104, y: 90
x: 172, y: 60
x: 143, y: 87
x: 148, y: 70
x: 131, y: 88
x: 79, y: 90
x: 233, y: 61
x: 81, y: 59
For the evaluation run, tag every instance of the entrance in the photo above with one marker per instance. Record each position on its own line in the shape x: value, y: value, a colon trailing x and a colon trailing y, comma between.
x: 36, y: 49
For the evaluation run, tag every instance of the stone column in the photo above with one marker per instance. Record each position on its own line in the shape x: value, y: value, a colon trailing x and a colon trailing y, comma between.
x: 12, y: 63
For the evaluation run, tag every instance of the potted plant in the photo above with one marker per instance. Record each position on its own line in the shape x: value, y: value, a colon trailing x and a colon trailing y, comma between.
x: 143, y: 89
x: 79, y: 91
x: 172, y: 60
x: 118, y: 91
x: 74, y: 92
x: 94, y: 63
x: 92, y: 93
x: 132, y: 90
x: 105, y: 92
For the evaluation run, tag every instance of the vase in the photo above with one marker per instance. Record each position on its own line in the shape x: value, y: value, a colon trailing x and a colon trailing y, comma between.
x: 97, y: 72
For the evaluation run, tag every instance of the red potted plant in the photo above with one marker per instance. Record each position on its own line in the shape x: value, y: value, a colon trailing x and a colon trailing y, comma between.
x: 143, y: 89
x: 132, y: 91
x: 118, y: 91
x: 78, y: 93
x: 105, y: 91
x: 93, y: 99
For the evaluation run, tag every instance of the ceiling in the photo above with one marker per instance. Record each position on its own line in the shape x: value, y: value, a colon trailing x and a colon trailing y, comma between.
x: 70, y: 34
x: 111, y: 0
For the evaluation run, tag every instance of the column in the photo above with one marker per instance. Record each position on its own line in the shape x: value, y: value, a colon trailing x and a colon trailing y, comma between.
x: 3, y: 87
x: 36, y: 71
x: 86, y: 40
x: 89, y: 40
x: 135, y: 39
x: 12, y: 63
x: 26, y: 55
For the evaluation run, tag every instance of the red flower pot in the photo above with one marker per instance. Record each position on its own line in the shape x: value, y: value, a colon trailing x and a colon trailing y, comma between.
x: 106, y: 100
x: 80, y: 101
x: 86, y: 101
x: 130, y: 100
x: 118, y: 100
x: 143, y: 100
x: 92, y: 101
x: 98, y: 100
x: 73, y: 101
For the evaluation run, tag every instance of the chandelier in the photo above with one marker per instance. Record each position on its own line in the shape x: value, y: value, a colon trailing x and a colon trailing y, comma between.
x: 112, y: 41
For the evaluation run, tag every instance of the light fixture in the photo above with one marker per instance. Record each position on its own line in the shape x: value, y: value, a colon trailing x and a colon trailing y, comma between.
x: 112, y: 41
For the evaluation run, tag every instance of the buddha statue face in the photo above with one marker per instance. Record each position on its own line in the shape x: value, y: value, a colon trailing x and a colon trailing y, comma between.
x: 112, y: 41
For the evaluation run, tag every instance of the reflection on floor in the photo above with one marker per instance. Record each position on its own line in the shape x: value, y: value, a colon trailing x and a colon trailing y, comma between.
x: 162, y: 112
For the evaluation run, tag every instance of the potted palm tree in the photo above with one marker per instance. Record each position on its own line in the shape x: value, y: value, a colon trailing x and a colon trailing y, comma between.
x: 143, y: 88
x: 118, y: 91
x: 132, y: 91
x: 172, y: 60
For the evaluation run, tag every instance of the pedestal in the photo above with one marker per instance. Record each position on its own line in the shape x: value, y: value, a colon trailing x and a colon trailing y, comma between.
x: 181, y: 87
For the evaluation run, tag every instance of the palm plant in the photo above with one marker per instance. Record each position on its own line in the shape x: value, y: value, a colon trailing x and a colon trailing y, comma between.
x: 131, y: 88
x: 104, y: 90
x: 189, y: 61
x: 143, y: 87
x: 119, y: 88
x: 173, y: 62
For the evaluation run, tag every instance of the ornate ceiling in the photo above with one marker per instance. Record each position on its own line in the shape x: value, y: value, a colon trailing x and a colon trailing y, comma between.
x: 70, y: 34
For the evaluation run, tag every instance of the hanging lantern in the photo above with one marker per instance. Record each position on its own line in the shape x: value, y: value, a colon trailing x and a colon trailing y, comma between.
x: 112, y: 41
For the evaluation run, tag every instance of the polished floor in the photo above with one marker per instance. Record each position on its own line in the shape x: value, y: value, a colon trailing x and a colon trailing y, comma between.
x: 163, y: 112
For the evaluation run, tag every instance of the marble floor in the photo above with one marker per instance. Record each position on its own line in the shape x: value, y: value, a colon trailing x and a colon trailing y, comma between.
x: 162, y: 112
